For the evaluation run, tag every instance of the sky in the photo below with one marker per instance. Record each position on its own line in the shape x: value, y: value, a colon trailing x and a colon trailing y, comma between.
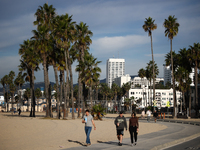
x: 116, y: 26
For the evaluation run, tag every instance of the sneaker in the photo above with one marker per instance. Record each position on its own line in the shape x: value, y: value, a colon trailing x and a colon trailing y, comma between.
x: 88, y: 144
x: 120, y: 144
x: 135, y: 143
x: 132, y: 144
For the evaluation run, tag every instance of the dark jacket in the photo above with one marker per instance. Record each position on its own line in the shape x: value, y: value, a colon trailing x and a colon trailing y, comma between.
x: 121, y: 121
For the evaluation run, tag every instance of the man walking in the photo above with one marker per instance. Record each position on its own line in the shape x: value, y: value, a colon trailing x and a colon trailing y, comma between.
x: 88, y: 120
x: 120, y: 123
x: 148, y: 115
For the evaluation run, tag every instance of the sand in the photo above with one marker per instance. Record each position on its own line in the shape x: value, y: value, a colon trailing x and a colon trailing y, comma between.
x: 23, y: 132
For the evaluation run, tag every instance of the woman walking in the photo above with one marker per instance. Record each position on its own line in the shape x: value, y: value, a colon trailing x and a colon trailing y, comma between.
x: 133, y: 128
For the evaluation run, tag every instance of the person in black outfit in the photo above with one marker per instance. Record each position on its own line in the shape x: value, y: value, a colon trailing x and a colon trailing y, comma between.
x: 133, y: 128
x: 120, y: 123
x: 155, y: 115
x: 19, y: 111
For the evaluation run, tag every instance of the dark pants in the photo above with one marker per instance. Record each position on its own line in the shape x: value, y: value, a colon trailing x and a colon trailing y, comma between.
x: 133, y: 130
x: 87, y: 132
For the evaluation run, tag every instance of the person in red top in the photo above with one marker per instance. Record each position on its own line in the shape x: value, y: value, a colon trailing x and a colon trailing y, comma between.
x: 133, y: 128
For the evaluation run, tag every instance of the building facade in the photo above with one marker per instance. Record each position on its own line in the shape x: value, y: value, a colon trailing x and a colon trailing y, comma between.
x: 115, y: 68
x: 122, y: 80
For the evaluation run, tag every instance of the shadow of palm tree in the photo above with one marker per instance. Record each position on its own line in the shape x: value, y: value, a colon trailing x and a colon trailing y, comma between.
x: 77, y: 142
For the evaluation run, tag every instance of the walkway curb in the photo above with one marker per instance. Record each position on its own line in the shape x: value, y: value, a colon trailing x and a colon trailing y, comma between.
x: 176, y: 142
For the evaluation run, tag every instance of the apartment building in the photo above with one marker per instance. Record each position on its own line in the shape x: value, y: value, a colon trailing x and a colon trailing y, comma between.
x: 162, y: 96
x: 115, y: 68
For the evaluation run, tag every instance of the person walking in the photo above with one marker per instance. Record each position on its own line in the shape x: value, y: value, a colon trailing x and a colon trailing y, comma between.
x: 148, y: 115
x: 88, y: 120
x: 120, y: 123
x: 133, y: 128
x: 155, y: 115
x: 143, y: 114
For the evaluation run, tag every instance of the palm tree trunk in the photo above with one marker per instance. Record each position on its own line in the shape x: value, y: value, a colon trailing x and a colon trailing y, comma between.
x: 7, y: 99
x: 32, y: 113
x: 46, y: 87
x: 79, y: 94
x: 72, y: 91
x: 190, y: 101
x: 153, y: 69
x: 60, y: 94
x: 173, y: 82
x: 196, y: 86
x: 90, y: 89
x: 64, y: 89
x: 57, y: 91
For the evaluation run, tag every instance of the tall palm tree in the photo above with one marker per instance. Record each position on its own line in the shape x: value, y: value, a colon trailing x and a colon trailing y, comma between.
x: 83, y: 41
x: 30, y: 61
x: 89, y: 72
x: 194, y: 58
x: 171, y: 29
x: 11, y: 86
x: 44, y: 20
x: 64, y: 33
x: 149, y: 26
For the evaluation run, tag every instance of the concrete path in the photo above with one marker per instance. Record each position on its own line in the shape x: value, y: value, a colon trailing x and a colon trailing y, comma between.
x: 177, y: 132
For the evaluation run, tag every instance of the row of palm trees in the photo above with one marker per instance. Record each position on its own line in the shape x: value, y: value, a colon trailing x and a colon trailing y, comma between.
x: 171, y: 30
x: 58, y: 41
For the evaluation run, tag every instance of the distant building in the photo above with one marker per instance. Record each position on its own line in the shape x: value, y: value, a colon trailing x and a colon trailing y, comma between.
x: 115, y: 68
x: 122, y: 80
x: 167, y: 74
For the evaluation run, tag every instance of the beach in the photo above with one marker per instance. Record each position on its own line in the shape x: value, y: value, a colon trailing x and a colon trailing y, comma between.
x: 23, y: 132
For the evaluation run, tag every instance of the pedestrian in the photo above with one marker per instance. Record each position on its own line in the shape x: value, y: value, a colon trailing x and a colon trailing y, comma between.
x: 155, y: 115
x: 143, y: 114
x: 148, y: 115
x: 88, y: 120
x: 19, y: 111
x: 133, y: 128
x: 120, y: 123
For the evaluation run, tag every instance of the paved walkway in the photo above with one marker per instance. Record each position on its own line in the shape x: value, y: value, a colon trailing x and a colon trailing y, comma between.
x: 177, y: 131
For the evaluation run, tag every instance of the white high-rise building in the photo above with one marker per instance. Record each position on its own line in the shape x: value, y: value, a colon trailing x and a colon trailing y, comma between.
x: 167, y: 74
x: 115, y: 68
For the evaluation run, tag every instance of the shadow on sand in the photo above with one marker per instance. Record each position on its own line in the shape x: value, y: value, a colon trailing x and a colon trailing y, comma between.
x: 77, y: 142
x: 110, y: 142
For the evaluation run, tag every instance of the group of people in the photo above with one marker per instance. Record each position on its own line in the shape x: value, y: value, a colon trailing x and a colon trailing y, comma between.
x: 120, y: 123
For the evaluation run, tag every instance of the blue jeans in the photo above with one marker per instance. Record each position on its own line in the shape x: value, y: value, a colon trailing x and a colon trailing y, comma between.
x: 87, y: 132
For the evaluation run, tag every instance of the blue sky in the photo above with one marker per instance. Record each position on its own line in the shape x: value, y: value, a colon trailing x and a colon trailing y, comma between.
x: 116, y: 26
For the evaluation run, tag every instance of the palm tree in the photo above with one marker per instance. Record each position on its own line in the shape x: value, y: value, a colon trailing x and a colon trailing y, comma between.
x: 105, y: 90
x: 149, y: 73
x: 44, y: 20
x: 83, y: 41
x: 30, y: 61
x: 149, y: 26
x: 3, y: 82
x: 11, y: 86
x: 27, y: 95
x: 19, y: 81
x: 38, y: 94
x: 194, y: 58
x: 142, y: 74
x: 90, y: 72
x: 115, y: 89
x: 171, y: 29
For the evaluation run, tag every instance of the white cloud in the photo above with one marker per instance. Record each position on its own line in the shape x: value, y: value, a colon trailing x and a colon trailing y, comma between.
x: 106, y: 45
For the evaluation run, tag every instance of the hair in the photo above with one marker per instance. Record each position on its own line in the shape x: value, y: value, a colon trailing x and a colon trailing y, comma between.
x: 87, y: 110
x: 133, y: 114
x: 121, y: 112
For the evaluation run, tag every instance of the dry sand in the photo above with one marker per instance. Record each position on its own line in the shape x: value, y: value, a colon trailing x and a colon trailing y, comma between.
x: 23, y: 132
